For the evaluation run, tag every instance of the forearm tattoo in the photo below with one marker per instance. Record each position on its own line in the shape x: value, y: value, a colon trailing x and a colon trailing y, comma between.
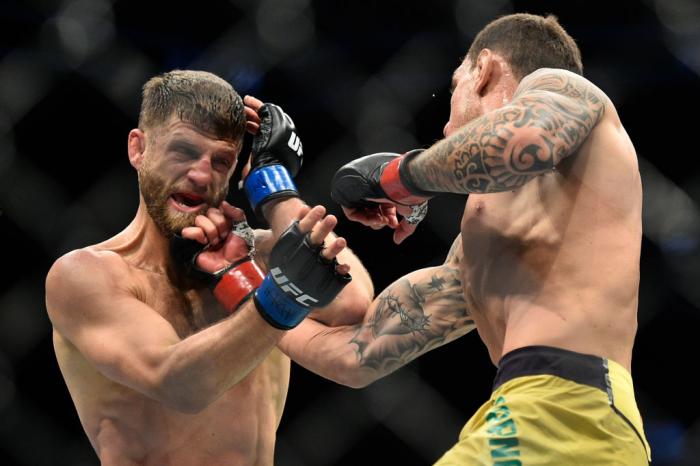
x: 548, y: 118
x: 413, y: 317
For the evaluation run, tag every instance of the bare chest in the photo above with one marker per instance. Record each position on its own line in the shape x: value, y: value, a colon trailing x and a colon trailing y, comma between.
x: 187, y: 310
x: 508, y: 239
x: 508, y: 223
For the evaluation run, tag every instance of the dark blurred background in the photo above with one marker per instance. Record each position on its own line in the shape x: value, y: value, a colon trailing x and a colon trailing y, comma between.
x: 357, y: 78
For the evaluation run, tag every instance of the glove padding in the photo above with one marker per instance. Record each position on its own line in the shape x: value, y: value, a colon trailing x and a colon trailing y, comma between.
x: 276, y: 142
x: 232, y: 285
x: 299, y: 279
x: 357, y: 181
x: 277, y: 154
x: 377, y: 176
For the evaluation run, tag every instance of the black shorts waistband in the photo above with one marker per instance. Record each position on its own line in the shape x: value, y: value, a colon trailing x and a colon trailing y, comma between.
x: 584, y: 369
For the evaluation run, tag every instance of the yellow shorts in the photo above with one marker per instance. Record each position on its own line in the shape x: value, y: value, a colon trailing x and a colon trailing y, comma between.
x: 554, y: 407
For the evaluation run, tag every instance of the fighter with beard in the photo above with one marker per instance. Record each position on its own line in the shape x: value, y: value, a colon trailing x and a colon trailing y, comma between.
x: 166, y: 357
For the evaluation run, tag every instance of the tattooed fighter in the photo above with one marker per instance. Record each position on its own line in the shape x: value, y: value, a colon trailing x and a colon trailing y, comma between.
x: 546, y: 266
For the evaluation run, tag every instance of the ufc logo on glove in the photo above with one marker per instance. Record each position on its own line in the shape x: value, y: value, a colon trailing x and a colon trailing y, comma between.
x: 294, y: 143
x: 290, y: 288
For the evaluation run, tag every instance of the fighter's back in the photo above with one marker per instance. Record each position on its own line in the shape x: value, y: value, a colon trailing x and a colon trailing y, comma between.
x: 556, y: 262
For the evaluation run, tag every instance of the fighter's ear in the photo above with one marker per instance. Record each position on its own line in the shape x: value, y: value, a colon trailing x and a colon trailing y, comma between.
x: 137, y: 147
x: 485, y: 63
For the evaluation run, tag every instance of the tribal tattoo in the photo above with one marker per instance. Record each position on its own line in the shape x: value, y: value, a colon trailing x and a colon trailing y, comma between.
x: 549, y: 117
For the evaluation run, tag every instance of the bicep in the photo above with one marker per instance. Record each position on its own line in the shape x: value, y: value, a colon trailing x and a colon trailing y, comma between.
x: 127, y: 348
x: 122, y: 337
x: 552, y: 112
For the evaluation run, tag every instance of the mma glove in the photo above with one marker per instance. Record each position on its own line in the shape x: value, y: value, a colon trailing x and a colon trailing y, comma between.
x: 277, y: 154
x: 299, y: 279
x: 378, y: 176
x: 232, y: 285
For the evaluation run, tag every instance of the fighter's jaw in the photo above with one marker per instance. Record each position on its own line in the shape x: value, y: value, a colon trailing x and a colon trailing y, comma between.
x: 186, y: 204
x: 173, y: 220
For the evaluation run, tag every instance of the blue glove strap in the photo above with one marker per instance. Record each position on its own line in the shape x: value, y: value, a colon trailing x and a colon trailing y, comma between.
x: 266, y: 181
x: 279, y: 304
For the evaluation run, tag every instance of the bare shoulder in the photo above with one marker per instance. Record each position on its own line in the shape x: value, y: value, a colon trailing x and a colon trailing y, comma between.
x: 86, y: 263
x: 78, y: 274
x: 562, y: 82
x: 565, y: 91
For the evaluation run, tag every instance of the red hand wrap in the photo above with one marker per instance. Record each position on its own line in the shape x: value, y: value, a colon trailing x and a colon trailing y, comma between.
x: 237, y: 284
x: 391, y: 183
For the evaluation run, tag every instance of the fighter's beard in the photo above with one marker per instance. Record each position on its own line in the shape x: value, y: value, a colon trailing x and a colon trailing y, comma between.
x: 156, y: 194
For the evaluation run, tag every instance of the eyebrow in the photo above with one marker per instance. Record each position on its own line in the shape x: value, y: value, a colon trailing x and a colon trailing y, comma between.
x: 183, y: 144
x: 194, y: 150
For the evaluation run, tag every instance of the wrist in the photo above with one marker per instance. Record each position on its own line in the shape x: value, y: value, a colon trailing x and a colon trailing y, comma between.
x: 236, y: 284
x: 267, y: 183
x: 278, y: 308
x: 281, y: 212
x: 399, y: 185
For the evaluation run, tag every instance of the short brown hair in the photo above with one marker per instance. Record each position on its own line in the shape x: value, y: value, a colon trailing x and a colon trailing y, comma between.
x: 528, y: 42
x: 196, y: 97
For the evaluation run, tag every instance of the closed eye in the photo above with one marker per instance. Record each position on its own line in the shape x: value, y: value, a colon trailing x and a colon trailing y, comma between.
x: 183, y: 148
x: 222, y: 163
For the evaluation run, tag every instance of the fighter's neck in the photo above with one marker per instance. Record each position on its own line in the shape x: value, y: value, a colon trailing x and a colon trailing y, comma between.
x: 142, y: 244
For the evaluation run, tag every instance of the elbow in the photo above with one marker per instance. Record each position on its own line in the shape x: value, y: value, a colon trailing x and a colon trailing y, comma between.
x: 357, y: 383
x: 354, y: 376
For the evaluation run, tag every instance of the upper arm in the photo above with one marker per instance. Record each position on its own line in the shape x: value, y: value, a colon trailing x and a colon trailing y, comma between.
x: 121, y: 336
x: 552, y: 112
x: 550, y: 115
x: 557, y: 110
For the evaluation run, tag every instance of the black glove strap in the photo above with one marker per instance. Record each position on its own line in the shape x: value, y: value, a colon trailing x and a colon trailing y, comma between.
x: 405, y: 175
